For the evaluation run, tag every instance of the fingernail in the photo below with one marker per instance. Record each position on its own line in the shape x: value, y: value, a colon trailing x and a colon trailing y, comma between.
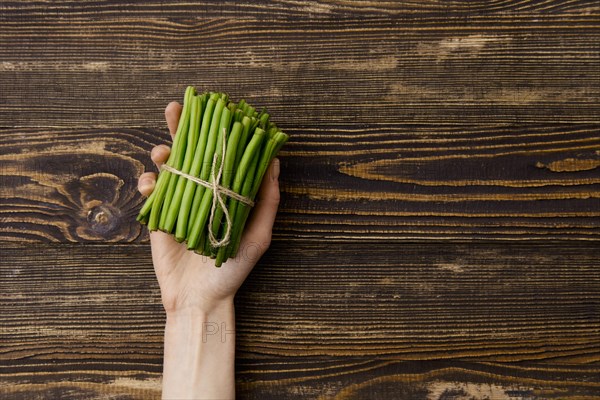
x: 275, y: 174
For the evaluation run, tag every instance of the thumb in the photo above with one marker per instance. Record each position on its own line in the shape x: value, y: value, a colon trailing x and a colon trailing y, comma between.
x: 260, y: 225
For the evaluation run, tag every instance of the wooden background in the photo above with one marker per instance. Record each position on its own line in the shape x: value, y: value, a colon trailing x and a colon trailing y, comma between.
x: 439, y: 228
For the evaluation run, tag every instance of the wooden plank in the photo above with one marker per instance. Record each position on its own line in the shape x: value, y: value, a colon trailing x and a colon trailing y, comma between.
x: 321, y: 378
x: 398, y: 181
x: 115, y: 72
x: 355, y: 319
x: 503, y: 302
x: 288, y: 9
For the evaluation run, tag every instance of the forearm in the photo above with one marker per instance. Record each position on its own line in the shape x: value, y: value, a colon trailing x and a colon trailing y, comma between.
x: 199, y: 353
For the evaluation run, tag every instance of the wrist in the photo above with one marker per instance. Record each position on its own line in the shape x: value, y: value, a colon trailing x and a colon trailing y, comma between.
x: 197, y: 307
x: 212, y: 323
x: 202, y: 329
x: 201, y: 309
x: 200, y: 352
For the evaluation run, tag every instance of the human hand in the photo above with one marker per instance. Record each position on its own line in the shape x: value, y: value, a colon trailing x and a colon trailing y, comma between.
x: 191, y: 281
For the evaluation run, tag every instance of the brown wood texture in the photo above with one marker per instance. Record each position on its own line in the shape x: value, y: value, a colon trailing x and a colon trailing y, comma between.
x: 401, y: 317
x: 439, y: 225
x: 535, y: 182
x: 310, y: 73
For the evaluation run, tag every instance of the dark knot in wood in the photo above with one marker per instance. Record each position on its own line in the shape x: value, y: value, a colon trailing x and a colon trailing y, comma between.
x: 104, y: 218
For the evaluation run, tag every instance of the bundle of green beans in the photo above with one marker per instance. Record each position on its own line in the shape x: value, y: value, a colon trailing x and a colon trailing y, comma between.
x: 182, y: 207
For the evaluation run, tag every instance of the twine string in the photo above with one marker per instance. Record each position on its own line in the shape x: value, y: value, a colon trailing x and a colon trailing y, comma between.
x: 217, y: 191
x: 217, y: 197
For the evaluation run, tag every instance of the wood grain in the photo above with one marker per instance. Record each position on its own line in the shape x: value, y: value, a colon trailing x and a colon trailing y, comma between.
x: 76, y: 72
x: 398, y: 181
x: 290, y: 9
x: 437, y: 236
x: 352, y: 320
x: 73, y: 186
x: 325, y: 378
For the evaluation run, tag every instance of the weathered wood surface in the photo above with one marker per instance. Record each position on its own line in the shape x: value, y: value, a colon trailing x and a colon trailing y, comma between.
x: 288, y: 9
x: 118, y: 71
x: 489, y: 317
x: 439, y: 222
x: 401, y: 181
x: 322, y: 378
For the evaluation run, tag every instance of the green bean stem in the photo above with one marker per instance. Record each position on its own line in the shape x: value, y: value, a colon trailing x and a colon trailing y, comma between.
x: 270, y: 151
x: 228, y: 163
x: 205, y: 204
x: 193, y: 135
x: 240, y: 185
x: 178, y: 142
x: 190, y: 186
x: 206, y: 161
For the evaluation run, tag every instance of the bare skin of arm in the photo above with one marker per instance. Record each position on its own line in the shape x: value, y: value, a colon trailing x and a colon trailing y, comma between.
x: 198, y: 297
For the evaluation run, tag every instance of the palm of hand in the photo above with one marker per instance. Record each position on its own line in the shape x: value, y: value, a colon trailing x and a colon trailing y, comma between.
x: 188, y: 279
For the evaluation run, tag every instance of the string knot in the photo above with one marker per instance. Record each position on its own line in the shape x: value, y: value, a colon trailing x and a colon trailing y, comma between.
x: 218, y: 191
